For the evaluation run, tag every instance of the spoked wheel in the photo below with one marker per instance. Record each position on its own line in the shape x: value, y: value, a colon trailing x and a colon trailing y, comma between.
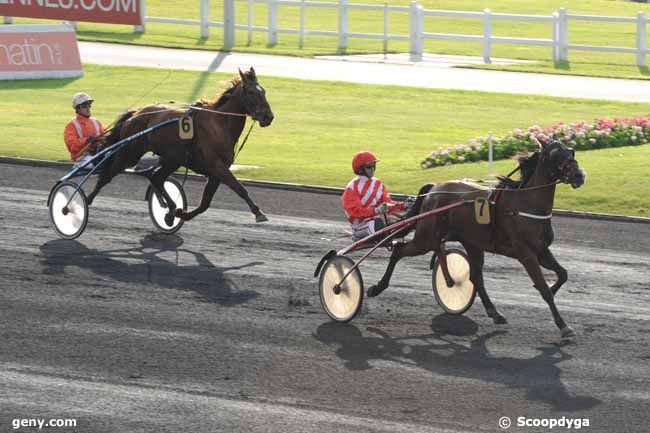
x: 157, y: 210
x: 341, y: 301
x: 458, y: 298
x: 68, y: 217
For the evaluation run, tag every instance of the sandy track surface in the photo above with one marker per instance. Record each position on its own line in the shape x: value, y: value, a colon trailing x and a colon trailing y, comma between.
x: 220, y: 328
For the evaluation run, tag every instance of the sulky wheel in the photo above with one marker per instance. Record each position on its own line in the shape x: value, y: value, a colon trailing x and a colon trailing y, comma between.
x: 68, y: 216
x: 458, y: 298
x: 157, y: 210
x: 341, y: 301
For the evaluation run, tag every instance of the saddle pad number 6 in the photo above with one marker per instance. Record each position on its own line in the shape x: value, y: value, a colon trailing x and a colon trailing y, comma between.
x: 482, y: 210
x: 185, y: 128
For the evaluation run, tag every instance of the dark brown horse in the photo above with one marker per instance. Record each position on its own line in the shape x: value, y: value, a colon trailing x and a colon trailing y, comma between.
x: 520, y: 227
x: 211, y: 151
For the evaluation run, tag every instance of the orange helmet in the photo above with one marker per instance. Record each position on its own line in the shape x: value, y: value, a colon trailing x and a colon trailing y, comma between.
x: 361, y: 159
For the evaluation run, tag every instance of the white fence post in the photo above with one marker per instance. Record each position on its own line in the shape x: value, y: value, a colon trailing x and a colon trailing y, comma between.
x: 487, y: 35
x: 556, y: 37
x: 273, y: 22
x: 228, y: 24
x: 205, y: 18
x: 563, y: 33
x: 416, y: 24
x: 302, y: 23
x: 250, y: 21
x: 9, y: 20
x: 143, y: 14
x: 343, y: 24
x: 640, y: 39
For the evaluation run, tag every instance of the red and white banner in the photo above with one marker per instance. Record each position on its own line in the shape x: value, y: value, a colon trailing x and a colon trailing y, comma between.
x: 99, y: 11
x: 38, y: 51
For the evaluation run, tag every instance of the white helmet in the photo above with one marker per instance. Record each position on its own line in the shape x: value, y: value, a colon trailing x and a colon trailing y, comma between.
x: 80, y: 98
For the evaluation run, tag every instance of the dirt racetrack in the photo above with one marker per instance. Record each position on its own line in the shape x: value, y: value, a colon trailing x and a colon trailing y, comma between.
x: 219, y: 328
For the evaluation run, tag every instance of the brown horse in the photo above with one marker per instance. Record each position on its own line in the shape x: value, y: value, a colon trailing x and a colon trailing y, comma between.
x: 520, y: 226
x: 211, y: 151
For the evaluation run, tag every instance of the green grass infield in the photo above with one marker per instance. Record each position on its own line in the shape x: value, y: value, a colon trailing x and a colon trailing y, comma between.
x: 361, y: 21
x: 320, y: 125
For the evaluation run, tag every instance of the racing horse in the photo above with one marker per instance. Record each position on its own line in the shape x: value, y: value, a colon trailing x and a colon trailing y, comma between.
x: 217, y: 126
x: 520, y: 225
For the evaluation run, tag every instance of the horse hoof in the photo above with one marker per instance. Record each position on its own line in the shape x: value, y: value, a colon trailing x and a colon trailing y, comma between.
x: 169, y: 220
x: 567, y: 333
x: 375, y: 290
x: 260, y: 218
x: 499, y: 319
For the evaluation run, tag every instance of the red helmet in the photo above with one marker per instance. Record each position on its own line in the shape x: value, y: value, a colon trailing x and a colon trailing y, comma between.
x: 361, y: 159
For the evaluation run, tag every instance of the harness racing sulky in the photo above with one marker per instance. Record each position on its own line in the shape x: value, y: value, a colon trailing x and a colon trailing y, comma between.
x: 512, y: 219
x: 202, y: 138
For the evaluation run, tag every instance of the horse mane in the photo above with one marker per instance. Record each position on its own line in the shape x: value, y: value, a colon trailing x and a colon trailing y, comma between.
x: 527, y: 166
x: 221, y: 101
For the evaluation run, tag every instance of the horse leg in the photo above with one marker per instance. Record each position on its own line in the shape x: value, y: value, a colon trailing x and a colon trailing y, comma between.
x: 102, y: 180
x: 477, y: 259
x: 208, y: 192
x: 529, y: 260
x: 408, y: 249
x: 224, y: 174
x: 548, y: 261
x: 114, y: 167
x: 158, y: 183
x: 117, y: 163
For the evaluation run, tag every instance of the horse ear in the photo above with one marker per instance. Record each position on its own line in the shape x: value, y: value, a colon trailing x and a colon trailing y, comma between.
x: 241, y: 74
x: 536, y: 141
x: 251, y: 73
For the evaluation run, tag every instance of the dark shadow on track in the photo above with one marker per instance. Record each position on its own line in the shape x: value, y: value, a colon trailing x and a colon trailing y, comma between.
x: 144, y: 265
x: 443, y: 353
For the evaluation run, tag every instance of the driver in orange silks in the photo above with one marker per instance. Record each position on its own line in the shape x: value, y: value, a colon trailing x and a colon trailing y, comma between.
x: 80, y: 133
x: 366, y: 201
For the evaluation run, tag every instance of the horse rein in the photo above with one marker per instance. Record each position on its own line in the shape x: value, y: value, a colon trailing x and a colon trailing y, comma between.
x: 107, y: 130
x: 490, y: 189
x: 245, y: 139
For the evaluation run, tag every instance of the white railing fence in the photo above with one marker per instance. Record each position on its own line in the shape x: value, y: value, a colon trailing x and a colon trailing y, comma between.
x: 558, y: 42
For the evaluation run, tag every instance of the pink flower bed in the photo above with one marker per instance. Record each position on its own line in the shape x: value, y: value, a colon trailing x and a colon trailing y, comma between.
x: 600, y: 134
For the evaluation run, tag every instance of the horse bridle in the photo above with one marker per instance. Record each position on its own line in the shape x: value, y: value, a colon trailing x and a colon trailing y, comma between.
x: 247, y: 99
x: 560, y: 171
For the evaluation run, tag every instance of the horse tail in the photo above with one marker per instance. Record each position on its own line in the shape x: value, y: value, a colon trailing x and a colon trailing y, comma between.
x: 114, y: 136
x: 415, y: 209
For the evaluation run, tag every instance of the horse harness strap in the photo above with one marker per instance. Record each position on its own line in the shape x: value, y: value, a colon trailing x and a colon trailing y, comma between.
x: 533, y: 216
x: 529, y: 215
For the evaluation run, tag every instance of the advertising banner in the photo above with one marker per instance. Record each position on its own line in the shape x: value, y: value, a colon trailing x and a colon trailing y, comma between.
x: 99, y: 11
x: 38, y: 51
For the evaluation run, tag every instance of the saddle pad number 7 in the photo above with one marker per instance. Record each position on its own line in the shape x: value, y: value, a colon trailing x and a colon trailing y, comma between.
x: 482, y: 210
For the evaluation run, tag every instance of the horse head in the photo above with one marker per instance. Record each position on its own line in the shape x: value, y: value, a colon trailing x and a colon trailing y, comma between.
x: 254, y: 98
x: 559, y: 160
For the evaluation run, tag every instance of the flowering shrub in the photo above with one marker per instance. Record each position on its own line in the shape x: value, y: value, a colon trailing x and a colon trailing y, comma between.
x: 601, y: 134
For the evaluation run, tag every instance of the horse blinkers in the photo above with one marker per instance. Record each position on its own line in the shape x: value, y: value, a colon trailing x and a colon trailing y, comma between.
x: 254, y: 99
x: 566, y: 170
